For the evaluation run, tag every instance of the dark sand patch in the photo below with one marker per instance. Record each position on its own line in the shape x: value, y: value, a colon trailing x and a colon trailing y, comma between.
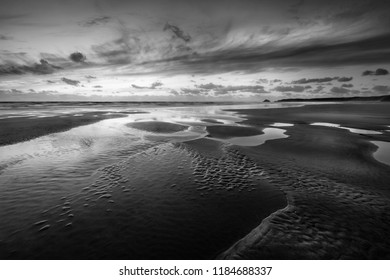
x: 167, y: 202
x: 158, y: 127
x: 227, y: 131
x: 338, y: 195
x: 371, y: 116
x: 211, y: 121
x: 20, y: 129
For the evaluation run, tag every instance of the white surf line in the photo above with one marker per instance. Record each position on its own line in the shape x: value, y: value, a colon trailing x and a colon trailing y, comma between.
x: 353, y: 130
x: 382, y: 154
x: 277, y: 124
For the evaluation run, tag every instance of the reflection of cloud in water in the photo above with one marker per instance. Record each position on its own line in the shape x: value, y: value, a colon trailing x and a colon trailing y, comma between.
x: 256, y: 140
x: 383, y: 152
x: 281, y: 124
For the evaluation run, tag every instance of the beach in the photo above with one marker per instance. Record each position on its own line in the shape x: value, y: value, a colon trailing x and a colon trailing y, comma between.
x: 260, y: 181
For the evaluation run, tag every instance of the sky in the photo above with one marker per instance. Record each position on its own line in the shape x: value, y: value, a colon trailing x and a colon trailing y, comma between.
x: 180, y: 50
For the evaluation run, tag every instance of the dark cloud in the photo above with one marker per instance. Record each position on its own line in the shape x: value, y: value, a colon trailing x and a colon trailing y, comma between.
x: 56, y: 59
x: 97, y: 86
x: 174, y: 92
x: 70, y: 82
x: 289, y: 88
x: 344, y: 79
x: 262, y: 81
x: 139, y: 87
x: 77, y: 57
x: 17, y: 95
x: 339, y: 90
x: 381, y: 89
x: 347, y: 85
x: 153, y: 86
x: 318, y: 80
x: 216, y: 89
x: 377, y: 72
x: 177, y: 32
x: 190, y: 91
x: 7, y: 17
x: 90, y: 77
x: 11, y: 69
x: 368, y: 73
x: 317, y: 90
x: 96, y: 21
x: 5, y: 37
x: 244, y: 88
x: 50, y: 82
x: 43, y: 67
x: 156, y: 84
x: 209, y: 86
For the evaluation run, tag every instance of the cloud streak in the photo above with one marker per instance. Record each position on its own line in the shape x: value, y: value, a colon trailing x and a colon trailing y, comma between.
x: 96, y: 21
x: 289, y: 88
x: 43, y: 67
x: 70, y: 82
x: 153, y: 86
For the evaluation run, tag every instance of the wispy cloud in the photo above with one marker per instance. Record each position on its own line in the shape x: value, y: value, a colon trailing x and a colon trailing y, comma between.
x: 339, y: 90
x: 212, y: 89
x: 5, y: 37
x: 96, y: 21
x: 43, y: 67
x: 381, y: 89
x: 317, y: 80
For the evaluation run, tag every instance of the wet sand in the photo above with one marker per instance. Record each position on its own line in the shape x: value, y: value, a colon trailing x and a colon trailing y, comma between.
x: 228, y: 131
x: 14, y: 130
x: 131, y: 188
x: 158, y: 127
x: 338, y: 194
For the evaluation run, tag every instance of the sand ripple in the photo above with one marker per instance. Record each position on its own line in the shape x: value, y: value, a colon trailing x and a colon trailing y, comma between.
x: 324, y: 219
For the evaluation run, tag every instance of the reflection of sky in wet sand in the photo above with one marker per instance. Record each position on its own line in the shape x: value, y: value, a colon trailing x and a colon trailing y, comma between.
x: 282, y: 124
x: 95, y: 161
x: 256, y: 140
x: 98, y: 138
x: 69, y: 182
x: 353, y: 130
x: 383, y: 152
